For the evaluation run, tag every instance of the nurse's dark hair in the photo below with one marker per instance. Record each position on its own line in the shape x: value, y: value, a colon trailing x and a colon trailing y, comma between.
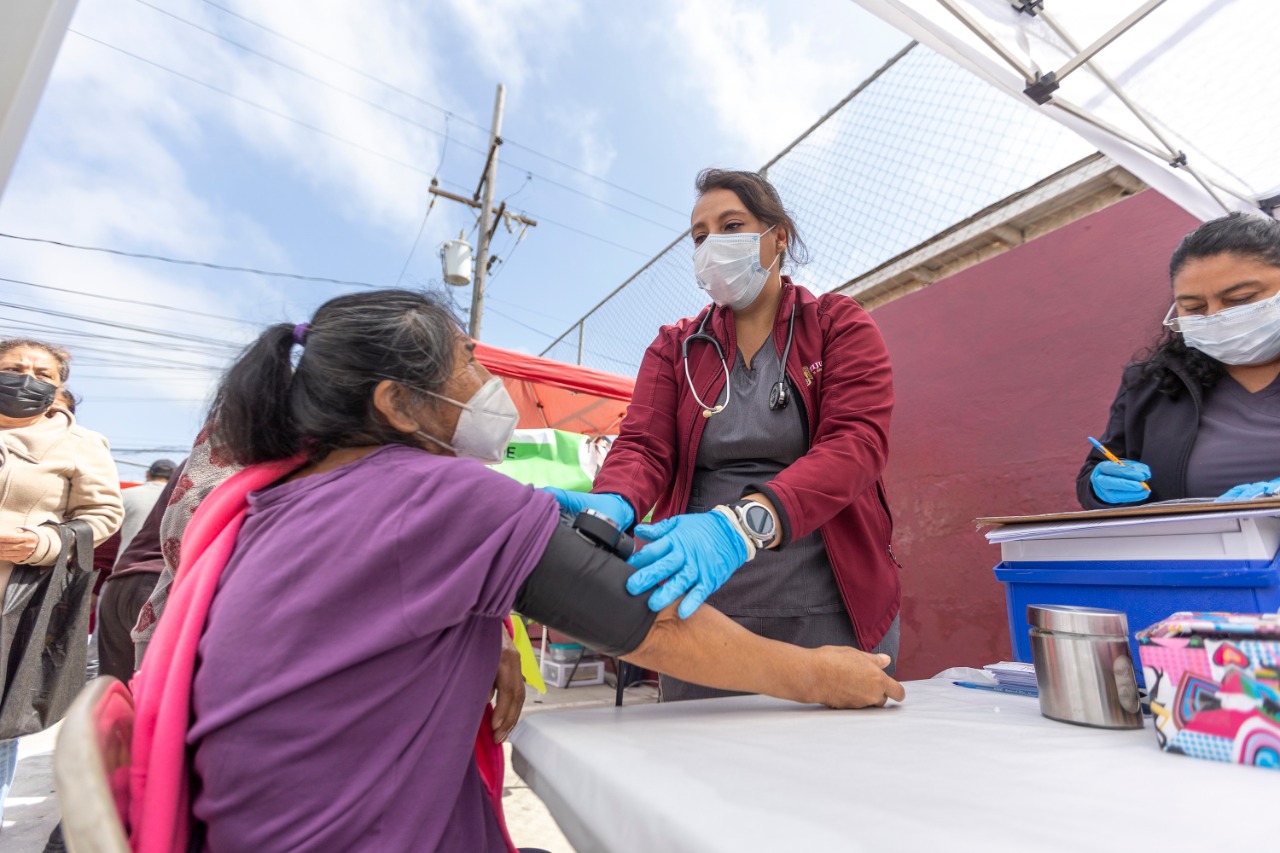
x: 1245, y: 235
x: 267, y: 408
x: 762, y: 200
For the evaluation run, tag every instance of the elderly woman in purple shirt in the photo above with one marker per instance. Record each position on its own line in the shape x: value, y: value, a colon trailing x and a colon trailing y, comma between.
x: 352, y: 643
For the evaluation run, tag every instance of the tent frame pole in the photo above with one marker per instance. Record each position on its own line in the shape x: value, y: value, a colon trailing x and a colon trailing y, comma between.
x: 1171, y: 154
x: 1178, y: 160
x: 1083, y: 56
x: 989, y: 40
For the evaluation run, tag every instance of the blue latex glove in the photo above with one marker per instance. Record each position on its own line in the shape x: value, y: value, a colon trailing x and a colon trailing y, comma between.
x: 1120, y: 484
x: 1249, y: 491
x: 615, y: 507
x: 694, y: 554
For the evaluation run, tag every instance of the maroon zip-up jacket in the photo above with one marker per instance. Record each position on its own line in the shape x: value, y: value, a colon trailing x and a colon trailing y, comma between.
x: 840, y: 374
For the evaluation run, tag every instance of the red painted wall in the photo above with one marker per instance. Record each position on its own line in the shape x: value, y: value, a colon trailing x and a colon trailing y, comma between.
x: 1001, y: 371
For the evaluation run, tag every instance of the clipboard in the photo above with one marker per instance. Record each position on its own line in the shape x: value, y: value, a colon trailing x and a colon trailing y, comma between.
x: 1182, y: 506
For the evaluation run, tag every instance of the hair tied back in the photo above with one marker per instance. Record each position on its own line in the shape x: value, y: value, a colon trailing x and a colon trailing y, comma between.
x: 300, y: 333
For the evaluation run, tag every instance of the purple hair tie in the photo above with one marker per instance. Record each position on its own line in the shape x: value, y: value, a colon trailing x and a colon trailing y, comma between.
x: 300, y: 333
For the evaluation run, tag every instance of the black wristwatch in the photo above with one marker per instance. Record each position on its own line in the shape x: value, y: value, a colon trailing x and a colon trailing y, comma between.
x: 756, y: 521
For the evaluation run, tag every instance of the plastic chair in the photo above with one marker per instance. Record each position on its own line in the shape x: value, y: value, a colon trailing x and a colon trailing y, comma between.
x: 91, y: 767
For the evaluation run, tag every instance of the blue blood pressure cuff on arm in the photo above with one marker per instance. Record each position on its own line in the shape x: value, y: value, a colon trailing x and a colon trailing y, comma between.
x: 579, y: 588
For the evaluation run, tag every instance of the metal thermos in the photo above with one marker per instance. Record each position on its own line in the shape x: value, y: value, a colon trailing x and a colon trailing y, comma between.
x: 1083, y: 667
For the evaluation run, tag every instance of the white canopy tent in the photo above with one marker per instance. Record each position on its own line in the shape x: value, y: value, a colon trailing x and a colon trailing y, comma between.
x: 1179, y: 92
x: 30, y: 35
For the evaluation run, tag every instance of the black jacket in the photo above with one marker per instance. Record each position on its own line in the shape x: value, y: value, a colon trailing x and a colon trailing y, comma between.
x: 1151, y: 427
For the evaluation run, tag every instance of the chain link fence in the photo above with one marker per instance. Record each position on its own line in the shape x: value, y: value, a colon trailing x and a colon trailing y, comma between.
x: 916, y: 148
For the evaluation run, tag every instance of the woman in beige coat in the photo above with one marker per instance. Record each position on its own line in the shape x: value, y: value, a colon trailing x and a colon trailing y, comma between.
x: 51, y: 469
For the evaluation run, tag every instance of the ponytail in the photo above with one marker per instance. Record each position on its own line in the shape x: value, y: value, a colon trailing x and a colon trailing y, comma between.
x: 266, y: 410
x: 252, y: 416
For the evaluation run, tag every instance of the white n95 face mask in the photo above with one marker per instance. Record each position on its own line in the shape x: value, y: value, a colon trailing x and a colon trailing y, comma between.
x: 1246, y: 334
x: 485, y: 427
x: 727, y: 267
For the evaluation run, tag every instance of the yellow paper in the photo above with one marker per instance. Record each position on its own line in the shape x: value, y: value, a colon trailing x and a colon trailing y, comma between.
x: 528, y: 661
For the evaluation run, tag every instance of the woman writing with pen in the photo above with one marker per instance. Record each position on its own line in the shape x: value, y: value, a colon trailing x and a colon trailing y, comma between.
x: 1200, y: 415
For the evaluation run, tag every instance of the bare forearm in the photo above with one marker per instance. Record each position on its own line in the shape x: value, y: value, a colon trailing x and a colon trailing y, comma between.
x: 711, y: 649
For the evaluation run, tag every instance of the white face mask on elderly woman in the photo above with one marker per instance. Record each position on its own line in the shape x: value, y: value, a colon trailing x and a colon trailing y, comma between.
x: 485, y: 427
x: 1245, y: 334
x: 727, y: 267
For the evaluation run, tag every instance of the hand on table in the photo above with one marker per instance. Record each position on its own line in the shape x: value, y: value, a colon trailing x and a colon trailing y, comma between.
x: 17, y: 545
x: 1120, y: 484
x: 849, y: 678
x: 509, y: 689
x: 694, y: 554
x: 613, y: 506
x: 1249, y: 491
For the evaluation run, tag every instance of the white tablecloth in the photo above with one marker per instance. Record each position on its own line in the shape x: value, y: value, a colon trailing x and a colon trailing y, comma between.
x: 951, y: 769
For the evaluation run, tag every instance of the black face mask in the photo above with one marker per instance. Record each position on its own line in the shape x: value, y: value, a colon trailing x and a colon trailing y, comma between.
x: 24, y: 396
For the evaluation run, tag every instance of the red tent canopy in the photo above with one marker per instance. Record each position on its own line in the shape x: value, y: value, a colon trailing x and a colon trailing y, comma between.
x: 551, y: 394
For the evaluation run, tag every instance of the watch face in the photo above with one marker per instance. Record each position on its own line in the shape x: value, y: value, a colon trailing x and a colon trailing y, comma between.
x: 758, y: 520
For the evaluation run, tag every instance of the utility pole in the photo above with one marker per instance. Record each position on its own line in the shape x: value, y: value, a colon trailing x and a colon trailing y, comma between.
x: 487, y: 226
x: 489, y: 218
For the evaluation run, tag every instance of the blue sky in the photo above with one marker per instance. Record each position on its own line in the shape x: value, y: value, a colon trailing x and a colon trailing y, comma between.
x: 127, y: 155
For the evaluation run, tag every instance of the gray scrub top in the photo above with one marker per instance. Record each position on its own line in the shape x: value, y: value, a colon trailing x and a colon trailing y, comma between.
x: 1238, y: 440
x: 750, y: 443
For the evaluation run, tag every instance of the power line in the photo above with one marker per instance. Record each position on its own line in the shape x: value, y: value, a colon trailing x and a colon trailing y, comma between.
x: 320, y: 131
x: 104, y: 357
x: 542, y: 219
x: 63, y: 332
x: 426, y: 103
x: 190, y: 263
x: 593, y: 177
x: 305, y: 74
x: 253, y: 104
x: 345, y: 65
x: 525, y: 308
x: 397, y: 115
x: 431, y: 203
x: 59, y: 334
x: 520, y: 323
x: 589, y: 196
x: 122, y: 299
x: 162, y: 400
x: 128, y: 327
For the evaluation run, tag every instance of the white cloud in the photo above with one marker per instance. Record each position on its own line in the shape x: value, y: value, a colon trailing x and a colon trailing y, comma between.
x: 766, y: 73
x: 506, y: 36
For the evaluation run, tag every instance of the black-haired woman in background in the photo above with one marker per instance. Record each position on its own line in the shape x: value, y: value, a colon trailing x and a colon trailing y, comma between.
x: 1200, y: 415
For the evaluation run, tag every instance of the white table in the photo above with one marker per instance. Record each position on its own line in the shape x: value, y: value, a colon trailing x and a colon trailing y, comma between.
x: 951, y: 769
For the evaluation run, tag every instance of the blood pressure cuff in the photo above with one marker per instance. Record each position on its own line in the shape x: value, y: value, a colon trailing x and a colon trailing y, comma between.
x: 580, y: 589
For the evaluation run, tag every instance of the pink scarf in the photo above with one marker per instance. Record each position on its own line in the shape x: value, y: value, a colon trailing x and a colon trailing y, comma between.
x: 159, y: 805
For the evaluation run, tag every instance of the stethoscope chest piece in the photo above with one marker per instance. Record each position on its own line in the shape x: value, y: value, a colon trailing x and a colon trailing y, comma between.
x: 779, y: 396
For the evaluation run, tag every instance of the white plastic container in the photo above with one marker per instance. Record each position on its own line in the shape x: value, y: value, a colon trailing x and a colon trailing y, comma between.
x: 1255, y: 538
x: 557, y: 673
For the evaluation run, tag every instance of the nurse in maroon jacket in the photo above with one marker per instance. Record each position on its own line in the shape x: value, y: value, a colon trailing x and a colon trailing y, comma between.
x: 758, y: 433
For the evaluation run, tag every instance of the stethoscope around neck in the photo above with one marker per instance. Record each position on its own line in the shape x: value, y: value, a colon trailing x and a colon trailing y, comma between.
x: 779, y: 396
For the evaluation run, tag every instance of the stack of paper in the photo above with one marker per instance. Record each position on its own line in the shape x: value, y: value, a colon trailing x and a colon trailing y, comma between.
x: 1012, y: 674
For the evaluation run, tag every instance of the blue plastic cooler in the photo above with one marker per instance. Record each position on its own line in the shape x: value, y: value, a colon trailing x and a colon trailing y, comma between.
x: 1147, y: 590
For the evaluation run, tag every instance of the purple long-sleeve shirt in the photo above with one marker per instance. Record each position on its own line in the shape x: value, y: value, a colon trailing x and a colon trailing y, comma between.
x: 350, y: 649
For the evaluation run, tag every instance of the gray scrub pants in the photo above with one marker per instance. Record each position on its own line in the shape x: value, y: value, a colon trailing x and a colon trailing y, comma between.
x: 810, y: 632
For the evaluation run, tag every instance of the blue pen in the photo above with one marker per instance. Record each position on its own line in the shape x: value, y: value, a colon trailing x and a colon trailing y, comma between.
x: 999, y: 688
